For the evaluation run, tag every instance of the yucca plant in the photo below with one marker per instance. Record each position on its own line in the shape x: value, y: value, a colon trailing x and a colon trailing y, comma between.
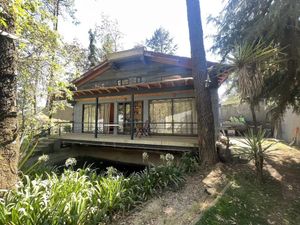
x: 254, y: 147
x: 252, y: 63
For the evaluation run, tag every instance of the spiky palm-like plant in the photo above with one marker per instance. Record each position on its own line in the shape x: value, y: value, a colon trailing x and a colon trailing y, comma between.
x: 255, y: 148
x: 251, y: 64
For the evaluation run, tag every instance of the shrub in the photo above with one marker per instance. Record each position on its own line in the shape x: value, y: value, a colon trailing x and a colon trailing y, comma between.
x: 189, y: 162
x: 83, y: 197
x: 255, y: 148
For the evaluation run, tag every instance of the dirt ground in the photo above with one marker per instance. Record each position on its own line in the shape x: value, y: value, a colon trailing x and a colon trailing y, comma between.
x: 203, y: 188
x: 183, y: 206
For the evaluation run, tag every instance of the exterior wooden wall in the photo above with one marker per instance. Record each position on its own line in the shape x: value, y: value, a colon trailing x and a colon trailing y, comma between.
x: 149, y: 72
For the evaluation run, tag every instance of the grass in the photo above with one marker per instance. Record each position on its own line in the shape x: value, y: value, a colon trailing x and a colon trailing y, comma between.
x: 249, y: 202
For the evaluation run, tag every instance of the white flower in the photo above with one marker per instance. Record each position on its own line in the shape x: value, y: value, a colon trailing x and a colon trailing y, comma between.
x: 145, y: 156
x: 22, y: 210
x: 94, y: 209
x: 162, y: 157
x: 43, y: 158
x: 70, y: 162
x: 19, y: 184
x: 169, y: 157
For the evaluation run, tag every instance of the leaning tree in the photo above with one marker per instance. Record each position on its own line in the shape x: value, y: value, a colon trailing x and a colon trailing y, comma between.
x: 205, y: 119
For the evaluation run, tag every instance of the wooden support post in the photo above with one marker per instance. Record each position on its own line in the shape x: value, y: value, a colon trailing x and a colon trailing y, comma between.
x: 96, y: 117
x: 132, y: 117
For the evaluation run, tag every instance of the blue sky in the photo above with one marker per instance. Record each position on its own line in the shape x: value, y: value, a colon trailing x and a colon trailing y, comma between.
x: 139, y: 18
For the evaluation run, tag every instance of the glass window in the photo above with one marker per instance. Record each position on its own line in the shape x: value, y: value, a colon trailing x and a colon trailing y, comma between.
x: 89, y: 118
x: 175, y: 116
x: 132, y: 80
x: 183, y: 116
x: 125, y: 82
x: 138, y: 79
x: 124, y: 115
x: 161, y: 116
x: 104, y: 118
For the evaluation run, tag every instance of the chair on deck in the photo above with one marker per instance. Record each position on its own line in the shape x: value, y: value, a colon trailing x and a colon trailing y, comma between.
x: 144, y: 130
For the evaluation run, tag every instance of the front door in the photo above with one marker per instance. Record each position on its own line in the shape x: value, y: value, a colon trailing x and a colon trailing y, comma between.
x: 124, y: 116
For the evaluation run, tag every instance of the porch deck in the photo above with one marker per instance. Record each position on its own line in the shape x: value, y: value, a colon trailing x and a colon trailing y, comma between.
x: 163, y: 143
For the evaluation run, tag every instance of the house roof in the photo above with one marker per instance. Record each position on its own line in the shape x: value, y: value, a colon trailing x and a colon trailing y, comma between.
x: 145, y: 56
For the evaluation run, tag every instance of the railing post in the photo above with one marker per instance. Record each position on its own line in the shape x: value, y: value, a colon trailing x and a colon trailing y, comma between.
x: 96, y: 117
x: 132, y: 117
x: 59, y: 131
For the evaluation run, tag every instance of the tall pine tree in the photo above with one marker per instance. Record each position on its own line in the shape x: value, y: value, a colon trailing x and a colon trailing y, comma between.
x: 205, y: 119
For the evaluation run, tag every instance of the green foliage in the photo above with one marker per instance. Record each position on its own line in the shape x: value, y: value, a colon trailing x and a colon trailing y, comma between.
x: 275, y: 22
x: 83, y: 197
x: 93, y: 55
x: 189, y: 162
x: 43, y: 63
x: 108, y: 35
x: 28, y: 145
x: 161, y: 42
x: 252, y: 63
x: 239, y: 119
x: 254, y: 147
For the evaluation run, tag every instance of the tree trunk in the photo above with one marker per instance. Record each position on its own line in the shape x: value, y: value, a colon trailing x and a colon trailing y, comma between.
x: 252, y: 109
x: 50, y: 99
x: 206, y: 129
x: 9, y: 143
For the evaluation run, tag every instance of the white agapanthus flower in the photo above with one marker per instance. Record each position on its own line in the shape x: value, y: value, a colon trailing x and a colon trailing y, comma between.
x: 22, y: 210
x: 162, y: 157
x: 93, y: 209
x: 70, y: 162
x: 145, y: 156
x: 169, y: 157
x: 43, y: 158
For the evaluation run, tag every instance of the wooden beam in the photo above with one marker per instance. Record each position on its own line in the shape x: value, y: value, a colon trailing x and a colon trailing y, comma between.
x: 107, y: 89
x: 116, y: 89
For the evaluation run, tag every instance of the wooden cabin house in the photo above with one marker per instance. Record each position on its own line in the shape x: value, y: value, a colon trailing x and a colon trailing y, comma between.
x: 138, y: 93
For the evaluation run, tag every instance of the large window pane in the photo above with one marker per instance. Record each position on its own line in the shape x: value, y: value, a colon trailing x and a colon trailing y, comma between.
x: 173, y: 116
x: 124, y: 116
x: 161, y: 116
x: 183, y: 116
x: 104, y: 117
x: 89, y: 118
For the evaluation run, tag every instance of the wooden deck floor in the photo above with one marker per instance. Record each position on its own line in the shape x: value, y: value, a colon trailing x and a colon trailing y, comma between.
x: 152, y: 142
